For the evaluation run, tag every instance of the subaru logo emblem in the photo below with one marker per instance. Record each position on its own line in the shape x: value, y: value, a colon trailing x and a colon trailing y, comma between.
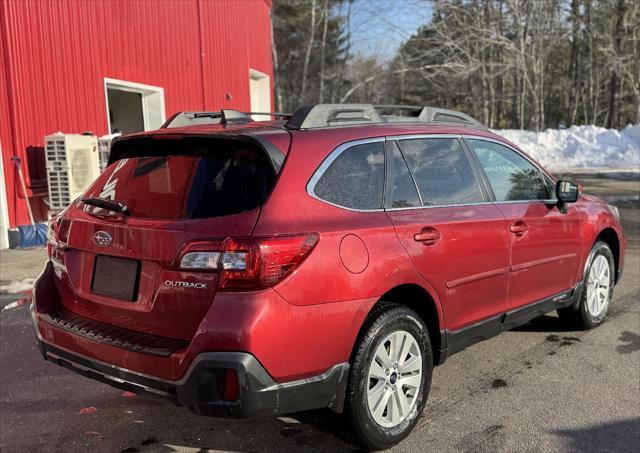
x: 102, y: 238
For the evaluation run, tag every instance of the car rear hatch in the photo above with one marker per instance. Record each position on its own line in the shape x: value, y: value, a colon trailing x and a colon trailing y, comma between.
x: 124, y: 269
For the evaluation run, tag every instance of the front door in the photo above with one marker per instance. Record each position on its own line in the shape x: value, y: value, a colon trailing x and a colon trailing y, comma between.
x: 456, y: 239
x: 545, y: 243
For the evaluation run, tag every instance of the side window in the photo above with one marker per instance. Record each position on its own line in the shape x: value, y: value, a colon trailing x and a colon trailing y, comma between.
x: 355, y: 179
x: 551, y: 187
x: 442, y: 171
x: 512, y: 177
x: 403, y: 190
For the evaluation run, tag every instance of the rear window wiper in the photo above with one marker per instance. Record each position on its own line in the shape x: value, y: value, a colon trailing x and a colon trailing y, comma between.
x: 114, y: 206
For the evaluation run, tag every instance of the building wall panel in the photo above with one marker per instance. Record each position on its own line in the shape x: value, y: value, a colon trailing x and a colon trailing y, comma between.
x: 57, y: 54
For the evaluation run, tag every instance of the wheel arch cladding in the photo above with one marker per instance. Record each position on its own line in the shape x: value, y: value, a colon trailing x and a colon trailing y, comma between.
x: 610, y: 237
x: 419, y: 300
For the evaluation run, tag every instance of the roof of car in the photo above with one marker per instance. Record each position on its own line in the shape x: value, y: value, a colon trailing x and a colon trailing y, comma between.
x: 331, y: 124
x: 336, y: 134
x: 359, y: 130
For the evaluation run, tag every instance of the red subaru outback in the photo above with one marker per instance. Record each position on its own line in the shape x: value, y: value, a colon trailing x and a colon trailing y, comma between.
x: 246, y: 268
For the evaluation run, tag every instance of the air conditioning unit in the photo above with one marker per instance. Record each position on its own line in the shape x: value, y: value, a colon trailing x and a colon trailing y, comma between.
x: 72, y: 164
x: 104, y: 146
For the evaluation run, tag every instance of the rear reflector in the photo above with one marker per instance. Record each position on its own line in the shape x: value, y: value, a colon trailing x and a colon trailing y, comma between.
x: 231, y: 385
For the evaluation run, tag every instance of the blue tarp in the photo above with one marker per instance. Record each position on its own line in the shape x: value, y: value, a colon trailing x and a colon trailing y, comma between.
x: 33, y: 235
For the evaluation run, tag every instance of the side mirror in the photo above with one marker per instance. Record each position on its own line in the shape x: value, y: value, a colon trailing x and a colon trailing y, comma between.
x: 567, y: 192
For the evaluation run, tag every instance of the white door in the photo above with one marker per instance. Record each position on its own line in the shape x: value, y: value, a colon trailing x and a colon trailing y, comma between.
x: 4, y: 208
x: 133, y: 107
x: 260, y: 94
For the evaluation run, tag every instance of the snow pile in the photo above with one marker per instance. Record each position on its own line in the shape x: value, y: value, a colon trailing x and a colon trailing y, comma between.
x: 580, y: 146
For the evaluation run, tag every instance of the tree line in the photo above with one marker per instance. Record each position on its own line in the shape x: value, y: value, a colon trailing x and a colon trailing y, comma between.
x: 525, y: 64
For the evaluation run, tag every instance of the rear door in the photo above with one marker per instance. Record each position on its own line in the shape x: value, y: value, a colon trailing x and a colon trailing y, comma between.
x: 545, y: 243
x: 456, y: 238
x: 124, y: 270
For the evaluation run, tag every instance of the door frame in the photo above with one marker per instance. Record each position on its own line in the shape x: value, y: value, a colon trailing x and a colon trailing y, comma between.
x: 153, y: 108
x: 262, y: 78
x: 4, y: 207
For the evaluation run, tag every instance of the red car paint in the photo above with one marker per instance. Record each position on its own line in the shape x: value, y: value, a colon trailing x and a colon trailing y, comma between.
x: 471, y: 263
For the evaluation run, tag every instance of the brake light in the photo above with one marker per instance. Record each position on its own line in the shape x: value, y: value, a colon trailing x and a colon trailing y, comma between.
x: 254, y: 263
x: 249, y: 263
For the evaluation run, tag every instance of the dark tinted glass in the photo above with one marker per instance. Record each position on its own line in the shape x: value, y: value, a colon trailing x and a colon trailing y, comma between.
x: 442, y: 171
x: 222, y: 182
x: 512, y: 177
x: 355, y: 179
x: 551, y: 187
x: 404, y: 193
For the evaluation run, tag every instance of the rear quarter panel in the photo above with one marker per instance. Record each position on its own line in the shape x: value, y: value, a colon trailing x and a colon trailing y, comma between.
x: 323, y: 278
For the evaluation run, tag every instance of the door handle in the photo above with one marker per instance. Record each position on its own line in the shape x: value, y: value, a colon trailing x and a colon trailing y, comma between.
x: 519, y: 228
x: 428, y: 236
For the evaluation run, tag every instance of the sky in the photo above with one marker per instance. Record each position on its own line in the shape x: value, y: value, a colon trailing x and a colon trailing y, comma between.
x: 379, y: 27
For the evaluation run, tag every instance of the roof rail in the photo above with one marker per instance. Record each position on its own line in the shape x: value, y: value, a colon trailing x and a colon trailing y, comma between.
x: 224, y: 116
x: 274, y: 114
x: 332, y: 115
x: 437, y: 115
x: 326, y: 115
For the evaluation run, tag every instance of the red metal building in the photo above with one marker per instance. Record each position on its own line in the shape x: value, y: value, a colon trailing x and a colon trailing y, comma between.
x: 100, y: 66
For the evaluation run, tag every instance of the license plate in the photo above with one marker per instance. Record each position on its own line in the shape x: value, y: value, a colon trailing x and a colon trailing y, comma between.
x: 115, y: 277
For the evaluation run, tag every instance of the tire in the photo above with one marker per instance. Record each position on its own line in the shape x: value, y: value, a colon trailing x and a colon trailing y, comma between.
x: 386, y: 324
x: 597, y: 290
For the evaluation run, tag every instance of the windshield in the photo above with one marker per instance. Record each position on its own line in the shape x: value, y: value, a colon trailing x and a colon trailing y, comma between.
x: 202, y: 183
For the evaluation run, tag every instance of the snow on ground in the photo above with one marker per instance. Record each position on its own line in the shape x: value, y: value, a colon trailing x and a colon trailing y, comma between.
x: 580, y: 147
x: 18, y: 286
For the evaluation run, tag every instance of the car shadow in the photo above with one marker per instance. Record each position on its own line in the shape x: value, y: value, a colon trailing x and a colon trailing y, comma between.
x: 318, y: 430
x: 545, y: 323
x: 619, y: 436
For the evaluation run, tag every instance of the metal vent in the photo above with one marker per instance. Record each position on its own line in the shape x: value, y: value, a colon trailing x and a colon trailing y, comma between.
x: 104, y: 146
x: 57, y: 174
x: 72, y: 164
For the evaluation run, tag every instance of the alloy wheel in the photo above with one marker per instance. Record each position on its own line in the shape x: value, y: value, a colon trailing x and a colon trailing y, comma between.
x: 394, y: 379
x: 598, y: 286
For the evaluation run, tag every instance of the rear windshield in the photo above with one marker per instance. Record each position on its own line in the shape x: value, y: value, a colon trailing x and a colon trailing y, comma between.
x: 178, y: 180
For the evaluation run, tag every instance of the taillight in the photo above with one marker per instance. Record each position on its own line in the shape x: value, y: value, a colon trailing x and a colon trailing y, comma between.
x: 200, y: 255
x: 253, y: 263
x: 200, y: 260
x: 52, y: 240
x: 55, y: 248
x: 249, y: 263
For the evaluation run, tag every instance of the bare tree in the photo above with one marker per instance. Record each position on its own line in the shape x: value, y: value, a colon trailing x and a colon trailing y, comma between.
x: 276, y: 68
x: 307, y: 57
x: 323, y: 47
x: 511, y: 63
x: 616, y: 68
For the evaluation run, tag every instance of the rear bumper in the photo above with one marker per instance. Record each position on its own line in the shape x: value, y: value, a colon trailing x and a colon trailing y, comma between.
x: 201, y: 388
x: 263, y: 339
